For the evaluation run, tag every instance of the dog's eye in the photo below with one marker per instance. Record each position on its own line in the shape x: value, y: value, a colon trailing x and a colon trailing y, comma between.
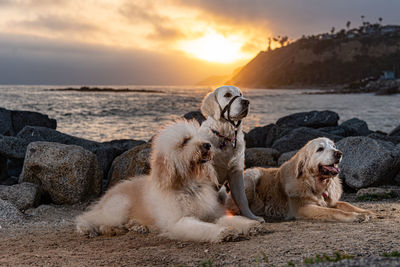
x: 228, y: 95
x: 320, y: 149
x: 185, y: 141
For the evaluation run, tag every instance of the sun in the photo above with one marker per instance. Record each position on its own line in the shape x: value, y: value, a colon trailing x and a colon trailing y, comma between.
x: 215, y: 47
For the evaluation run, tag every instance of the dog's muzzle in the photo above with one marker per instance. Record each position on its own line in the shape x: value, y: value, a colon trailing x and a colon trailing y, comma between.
x: 227, y: 110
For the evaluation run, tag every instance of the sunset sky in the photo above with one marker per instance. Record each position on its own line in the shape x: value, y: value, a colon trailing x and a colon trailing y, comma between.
x: 157, y: 42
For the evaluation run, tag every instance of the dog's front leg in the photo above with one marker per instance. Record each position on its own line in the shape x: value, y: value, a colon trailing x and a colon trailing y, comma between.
x: 345, y: 206
x: 328, y: 214
x: 238, y: 194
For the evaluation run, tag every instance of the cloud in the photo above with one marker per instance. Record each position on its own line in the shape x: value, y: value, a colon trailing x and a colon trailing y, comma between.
x: 55, y: 23
x: 296, y: 17
x: 33, y: 60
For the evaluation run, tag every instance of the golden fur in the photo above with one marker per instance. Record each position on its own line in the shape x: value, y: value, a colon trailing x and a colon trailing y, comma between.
x: 300, y: 189
x: 178, y: 198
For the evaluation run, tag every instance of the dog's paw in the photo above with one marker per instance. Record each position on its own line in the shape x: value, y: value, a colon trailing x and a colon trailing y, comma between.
x: 138, y: 228
x: 112, y: 231
x: 361, y: 217
x: 258, y: 229
x: 230, y: 235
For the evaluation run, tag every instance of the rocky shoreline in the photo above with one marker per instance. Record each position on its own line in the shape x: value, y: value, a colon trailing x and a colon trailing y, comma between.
x: 40, y: 165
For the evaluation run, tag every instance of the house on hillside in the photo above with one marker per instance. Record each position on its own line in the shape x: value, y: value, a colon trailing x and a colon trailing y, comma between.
x: 390, y: 29
x: 388, y: 75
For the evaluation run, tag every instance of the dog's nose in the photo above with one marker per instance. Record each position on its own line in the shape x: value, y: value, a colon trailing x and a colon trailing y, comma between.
x: 338, y: 154
x: 206, y: 146
x: 245, y: 102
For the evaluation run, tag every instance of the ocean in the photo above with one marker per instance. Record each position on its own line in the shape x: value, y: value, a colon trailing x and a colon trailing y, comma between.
x: 106, y: 116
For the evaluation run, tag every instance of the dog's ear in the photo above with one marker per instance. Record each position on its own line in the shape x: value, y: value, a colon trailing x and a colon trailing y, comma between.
x: 210, y: 106
x: 163, y: 171
x: 300, y: 164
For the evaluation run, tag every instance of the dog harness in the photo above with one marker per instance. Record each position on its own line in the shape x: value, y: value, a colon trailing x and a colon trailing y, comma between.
x: 225, y: 139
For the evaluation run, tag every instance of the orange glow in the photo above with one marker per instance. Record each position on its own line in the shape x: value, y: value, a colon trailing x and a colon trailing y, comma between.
x: 215, y: 47
x: 229, y: 213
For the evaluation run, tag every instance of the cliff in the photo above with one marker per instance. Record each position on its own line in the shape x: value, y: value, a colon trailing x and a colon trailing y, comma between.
x: 325, y: 59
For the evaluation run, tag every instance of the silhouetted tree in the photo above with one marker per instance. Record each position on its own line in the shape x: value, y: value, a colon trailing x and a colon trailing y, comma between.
x: 362, y: 18
x: 348, y: 24
x: 333, y: 30
x: 380, y: 20
x: 269, y: 44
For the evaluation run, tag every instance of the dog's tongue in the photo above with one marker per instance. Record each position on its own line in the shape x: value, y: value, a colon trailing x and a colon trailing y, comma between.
x: 332, y: 169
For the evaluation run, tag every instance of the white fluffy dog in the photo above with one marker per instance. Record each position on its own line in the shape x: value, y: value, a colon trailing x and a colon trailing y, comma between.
x: 307, y: 186
x: 225, y: 108
x: 178, y: 198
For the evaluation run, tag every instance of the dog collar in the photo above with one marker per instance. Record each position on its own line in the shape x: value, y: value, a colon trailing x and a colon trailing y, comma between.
x: 225, y: 139
x: 324, y: 195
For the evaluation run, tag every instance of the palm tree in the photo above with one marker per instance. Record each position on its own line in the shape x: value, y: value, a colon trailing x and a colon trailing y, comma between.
x: 333, y: 30
x: 348, y: 24
x: 362, y: 18
x: 380, y: 20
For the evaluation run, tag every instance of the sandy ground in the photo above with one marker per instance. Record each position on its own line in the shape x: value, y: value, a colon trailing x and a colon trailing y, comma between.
x: 48, y: 239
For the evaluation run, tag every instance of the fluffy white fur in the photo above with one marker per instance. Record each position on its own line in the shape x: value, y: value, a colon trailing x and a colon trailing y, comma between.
x: 178, y: 198
x: 307, y: 186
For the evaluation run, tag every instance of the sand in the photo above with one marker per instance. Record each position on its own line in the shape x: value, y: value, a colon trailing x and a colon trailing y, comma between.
x: 48, y: 238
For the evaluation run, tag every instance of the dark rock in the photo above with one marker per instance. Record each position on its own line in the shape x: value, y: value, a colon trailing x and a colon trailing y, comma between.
x: 9, y: 214
x: 196, y: 115
x: 133, y: 162
x: 286, y: 156
x: 13, y: 121
x: 67, y: 173
x: 395, y: 131
x: 3, y: 168
x: 264, y: 136
x: 105, y: 152
x: 13, y: 147
x: 355, y: 127
x: 378, y: 136
x: 335, y: 130
x: 261, y: 157
x: 312, y: 119
x: 297, y: 138
x: 368, y: 162
x: 23, y: 196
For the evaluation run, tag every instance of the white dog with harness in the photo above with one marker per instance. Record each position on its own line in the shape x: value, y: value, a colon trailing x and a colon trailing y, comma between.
x: 224, y: 109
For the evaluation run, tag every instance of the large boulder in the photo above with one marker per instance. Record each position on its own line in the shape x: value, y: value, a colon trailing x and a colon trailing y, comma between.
x: 312, y: 119
x: 9, y: 214
x: 395, y: 131
x: 105, y: 152
x: 286, y: 156
x: 368, y: 162
x: 133, y: 162
x: 261, y: 157
x: 389, y: 138
x: 355, y: 127
x: 297, y: 138
x: 195, y: 115
x: 67, y: 173
x: 23, y: 196
x: 13, y: 147
x: 264, y: 136
x: 13, y: 121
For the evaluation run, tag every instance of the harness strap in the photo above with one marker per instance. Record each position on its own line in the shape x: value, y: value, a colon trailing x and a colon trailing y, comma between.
x: 227, y: 109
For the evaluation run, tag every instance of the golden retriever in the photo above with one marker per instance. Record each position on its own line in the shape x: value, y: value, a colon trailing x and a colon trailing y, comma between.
x: 307, y: 186
x: 178, y: 198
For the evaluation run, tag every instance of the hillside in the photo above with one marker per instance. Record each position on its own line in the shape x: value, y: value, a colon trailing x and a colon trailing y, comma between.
x: 325, y: 59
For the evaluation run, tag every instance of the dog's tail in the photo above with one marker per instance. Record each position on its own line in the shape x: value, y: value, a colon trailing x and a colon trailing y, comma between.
x: 251, y: 177
x: 86, y: 223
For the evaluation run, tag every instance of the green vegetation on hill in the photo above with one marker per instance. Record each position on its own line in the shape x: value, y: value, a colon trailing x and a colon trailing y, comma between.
x: 329, y: 59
